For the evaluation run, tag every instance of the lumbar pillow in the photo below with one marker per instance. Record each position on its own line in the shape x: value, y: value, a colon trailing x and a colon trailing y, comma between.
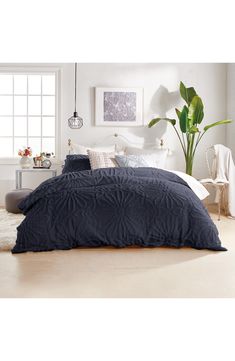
x: 154, y: 157
x: 133, y: 161
x: 101, y: 159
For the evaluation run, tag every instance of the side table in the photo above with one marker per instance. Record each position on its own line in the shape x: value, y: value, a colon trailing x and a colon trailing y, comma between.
x: 19, y: 173
x: 221, y: 188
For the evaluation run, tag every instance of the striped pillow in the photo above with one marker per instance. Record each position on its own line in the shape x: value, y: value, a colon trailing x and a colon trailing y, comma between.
x: 100, y: 159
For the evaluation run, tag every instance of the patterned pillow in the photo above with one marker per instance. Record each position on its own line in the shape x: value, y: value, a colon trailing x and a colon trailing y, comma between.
x: 154, y: 157
x: 133, y: 161
x: 101, y: 159
x: 76, y: 163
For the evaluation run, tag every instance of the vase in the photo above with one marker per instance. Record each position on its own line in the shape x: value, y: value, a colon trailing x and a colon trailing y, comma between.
x: 25, y: 162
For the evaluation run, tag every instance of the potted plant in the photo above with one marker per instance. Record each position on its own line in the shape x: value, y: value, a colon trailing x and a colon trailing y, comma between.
x: 25, y: 154
x: 189, y: 117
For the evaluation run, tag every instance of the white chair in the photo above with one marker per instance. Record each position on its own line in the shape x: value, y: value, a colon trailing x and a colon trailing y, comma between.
x: 220, y: 185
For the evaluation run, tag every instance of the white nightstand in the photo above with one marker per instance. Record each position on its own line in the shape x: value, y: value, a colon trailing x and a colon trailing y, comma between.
x: 221, y: 188
x: 19, y: 172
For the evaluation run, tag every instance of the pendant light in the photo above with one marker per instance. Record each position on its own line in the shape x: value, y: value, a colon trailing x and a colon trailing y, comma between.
x: 75, y: 122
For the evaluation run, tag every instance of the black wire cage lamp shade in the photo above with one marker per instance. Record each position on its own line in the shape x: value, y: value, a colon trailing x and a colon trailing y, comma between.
x: 75, y: 122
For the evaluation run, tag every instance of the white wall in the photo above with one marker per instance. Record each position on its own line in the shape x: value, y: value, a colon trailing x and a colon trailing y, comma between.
x: 160, y: 83
x: 230, y: 134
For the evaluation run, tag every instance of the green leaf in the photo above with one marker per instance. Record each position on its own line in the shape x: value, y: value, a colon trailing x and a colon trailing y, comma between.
x: 156, y: 120
x: 187, y: 93
x: 183, y: 118
x: 193, y: 130
x: 191, y: 94
x: 196, y: 113
x: 153, y: 122
x: 216, y: 123
x: 178, y: 112
x: 183, y: 91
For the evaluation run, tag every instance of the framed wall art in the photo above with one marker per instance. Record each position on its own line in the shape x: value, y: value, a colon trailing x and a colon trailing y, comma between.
x: 119, y: 107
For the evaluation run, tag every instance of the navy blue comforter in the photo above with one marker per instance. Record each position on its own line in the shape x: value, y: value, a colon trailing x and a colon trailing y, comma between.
x: 115, y: 207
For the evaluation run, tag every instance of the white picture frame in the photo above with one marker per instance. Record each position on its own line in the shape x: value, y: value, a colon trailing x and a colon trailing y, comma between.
x: 119, y: 107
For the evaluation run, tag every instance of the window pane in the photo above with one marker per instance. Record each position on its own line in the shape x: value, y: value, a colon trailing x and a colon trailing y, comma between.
x: 20, y: 105
x: 19, y: 143
x: 48, y: 145
x: 20, y: 84
x: 34, y: 105
x: 6, y: 84
x: 20, y: 126
x: 34, y: 126
x: 6, y: 126
x: 27, y: 109
x: 48, y: 126
x: 48, y: 84
x: 35, y: 144
x: 48, y: 105
x: 6, y: 105
x: 34, y: 84
x: 6, y: 147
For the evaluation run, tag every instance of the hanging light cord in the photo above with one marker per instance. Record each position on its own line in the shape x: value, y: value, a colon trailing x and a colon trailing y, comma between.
x: 75, y: 93
x: 75, y: 122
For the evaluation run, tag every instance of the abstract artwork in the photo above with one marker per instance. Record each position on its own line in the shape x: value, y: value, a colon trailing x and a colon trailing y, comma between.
x: 119, y: 106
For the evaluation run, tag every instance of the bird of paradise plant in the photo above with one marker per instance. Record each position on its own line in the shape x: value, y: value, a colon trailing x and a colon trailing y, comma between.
x: 189, y: 118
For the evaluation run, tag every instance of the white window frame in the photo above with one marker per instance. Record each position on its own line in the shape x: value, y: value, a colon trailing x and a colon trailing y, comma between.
x: 40, y: 70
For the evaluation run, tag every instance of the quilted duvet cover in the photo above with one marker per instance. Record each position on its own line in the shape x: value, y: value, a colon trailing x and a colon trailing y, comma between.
x: 116, y: 207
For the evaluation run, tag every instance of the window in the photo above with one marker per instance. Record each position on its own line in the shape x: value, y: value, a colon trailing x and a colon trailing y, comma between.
x: 28, y: 115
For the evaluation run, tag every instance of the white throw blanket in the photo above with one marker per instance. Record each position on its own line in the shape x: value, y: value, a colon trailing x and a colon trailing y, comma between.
x: 225, y: 170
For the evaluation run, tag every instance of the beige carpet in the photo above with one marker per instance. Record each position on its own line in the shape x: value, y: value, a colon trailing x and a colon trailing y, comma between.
x: 159, y: 272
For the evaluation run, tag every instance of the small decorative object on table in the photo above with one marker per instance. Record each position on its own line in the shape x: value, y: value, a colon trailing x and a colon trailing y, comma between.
x: 25, y: 154
x: 42, y: 161
x: 46, y: 163
x: 38, y: 161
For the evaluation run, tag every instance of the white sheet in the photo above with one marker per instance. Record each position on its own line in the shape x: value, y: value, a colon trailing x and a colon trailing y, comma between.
x: 196, y: 186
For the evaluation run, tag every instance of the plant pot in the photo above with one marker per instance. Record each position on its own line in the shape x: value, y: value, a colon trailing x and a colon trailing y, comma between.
x: 25, y: 162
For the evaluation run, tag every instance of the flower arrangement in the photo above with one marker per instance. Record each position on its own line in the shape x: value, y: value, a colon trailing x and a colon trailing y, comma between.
x: 26, y: 152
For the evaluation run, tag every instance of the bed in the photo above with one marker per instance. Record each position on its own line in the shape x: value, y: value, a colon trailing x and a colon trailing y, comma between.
x: 116, y: 206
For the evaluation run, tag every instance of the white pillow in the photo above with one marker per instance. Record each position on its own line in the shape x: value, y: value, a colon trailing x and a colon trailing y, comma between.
x: 100, y: 159
x: 154, y: 157
x: 134, y: 161
x: 82, y: 149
